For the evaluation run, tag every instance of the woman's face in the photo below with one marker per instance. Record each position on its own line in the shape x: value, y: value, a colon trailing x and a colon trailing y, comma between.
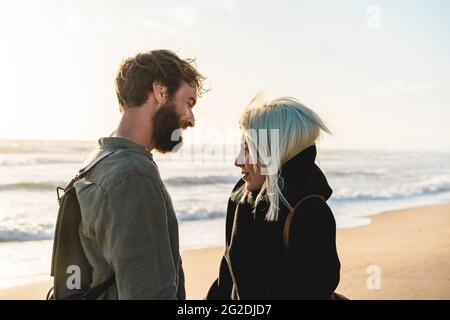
x: 251, y: 173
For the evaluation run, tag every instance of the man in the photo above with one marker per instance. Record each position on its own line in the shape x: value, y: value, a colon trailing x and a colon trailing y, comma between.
x: 129, y: 229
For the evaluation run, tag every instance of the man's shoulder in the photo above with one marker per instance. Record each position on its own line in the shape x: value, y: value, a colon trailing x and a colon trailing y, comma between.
x: 122, y: 166
x: 123, y: 174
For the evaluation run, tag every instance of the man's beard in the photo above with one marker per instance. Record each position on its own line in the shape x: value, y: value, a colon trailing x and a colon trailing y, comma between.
x: 165, y: 122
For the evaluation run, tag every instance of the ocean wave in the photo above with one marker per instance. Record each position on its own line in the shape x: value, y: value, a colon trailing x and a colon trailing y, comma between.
x: 174, y: 181
x: 26, y: 161
x: 431, y: 186
x: 353, y: 173
x: 200, y: 215
x: 197, y: 210
x: 32, y: 186
x: 200, y: 180
x: 15, y: 234
x: 46, y: 231
x: 58, y: 147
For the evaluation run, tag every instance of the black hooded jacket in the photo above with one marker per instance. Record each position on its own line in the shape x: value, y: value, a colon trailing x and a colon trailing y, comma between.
x: 255, y: 256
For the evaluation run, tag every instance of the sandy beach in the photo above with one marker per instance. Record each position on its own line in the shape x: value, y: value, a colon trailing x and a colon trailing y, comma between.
x: 409, y: 249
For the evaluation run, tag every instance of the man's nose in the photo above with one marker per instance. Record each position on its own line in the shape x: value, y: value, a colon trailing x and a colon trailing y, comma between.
x: 191, y: 120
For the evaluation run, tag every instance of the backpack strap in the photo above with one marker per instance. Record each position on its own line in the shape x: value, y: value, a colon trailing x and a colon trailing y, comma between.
x: 287, y: 224
x: 94, y: 292
x: 99, y: 156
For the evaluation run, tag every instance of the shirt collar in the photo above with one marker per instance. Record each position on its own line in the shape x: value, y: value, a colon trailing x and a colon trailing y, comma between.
x: 123, y: 143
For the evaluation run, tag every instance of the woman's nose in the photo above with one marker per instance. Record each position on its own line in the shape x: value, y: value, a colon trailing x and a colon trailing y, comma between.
x: 239, y: 161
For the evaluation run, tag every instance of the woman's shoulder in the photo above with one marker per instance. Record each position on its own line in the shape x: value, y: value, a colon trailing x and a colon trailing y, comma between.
x: 313, y: 211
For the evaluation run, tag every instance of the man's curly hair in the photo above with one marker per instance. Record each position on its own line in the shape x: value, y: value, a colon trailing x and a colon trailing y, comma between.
x: 135, y: 77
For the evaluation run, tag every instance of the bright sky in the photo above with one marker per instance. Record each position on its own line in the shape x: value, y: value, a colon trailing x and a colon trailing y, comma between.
x: 378, y: 72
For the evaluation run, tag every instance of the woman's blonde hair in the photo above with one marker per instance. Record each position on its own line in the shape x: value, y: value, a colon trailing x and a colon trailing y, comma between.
x: 275, y: 132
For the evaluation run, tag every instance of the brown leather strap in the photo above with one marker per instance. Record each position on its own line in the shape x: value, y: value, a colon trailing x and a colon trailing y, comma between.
x: 287, y: 224
x: 234, y: 290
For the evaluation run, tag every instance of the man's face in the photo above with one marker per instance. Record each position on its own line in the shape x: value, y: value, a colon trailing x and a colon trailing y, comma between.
x: 172, y: 116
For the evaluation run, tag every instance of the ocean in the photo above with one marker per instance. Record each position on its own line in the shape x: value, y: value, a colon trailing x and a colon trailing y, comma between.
x: 199, y: 180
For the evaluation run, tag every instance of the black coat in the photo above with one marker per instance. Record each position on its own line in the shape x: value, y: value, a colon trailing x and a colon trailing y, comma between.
x: 255, y: 255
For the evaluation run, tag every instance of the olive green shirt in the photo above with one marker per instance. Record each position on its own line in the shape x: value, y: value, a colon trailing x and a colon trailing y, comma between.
x: 128, y: 226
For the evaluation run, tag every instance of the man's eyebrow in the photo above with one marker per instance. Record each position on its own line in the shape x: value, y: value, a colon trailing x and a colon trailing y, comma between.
x: 192, y: 100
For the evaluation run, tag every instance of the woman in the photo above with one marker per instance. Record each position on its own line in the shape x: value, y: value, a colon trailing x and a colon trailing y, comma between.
x: 268, y: 255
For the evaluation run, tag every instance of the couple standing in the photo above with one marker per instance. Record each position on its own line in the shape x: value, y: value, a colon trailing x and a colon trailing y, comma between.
x: 280, y: 233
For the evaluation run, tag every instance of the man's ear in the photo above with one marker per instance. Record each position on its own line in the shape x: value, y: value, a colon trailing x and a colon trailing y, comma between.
x: 159, y: 91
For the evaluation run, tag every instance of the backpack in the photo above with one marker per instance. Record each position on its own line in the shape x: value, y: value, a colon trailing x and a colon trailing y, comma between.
x: 287, y: 226
x: 70, y: 269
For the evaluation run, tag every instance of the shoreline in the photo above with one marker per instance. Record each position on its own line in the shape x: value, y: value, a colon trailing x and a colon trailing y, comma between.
x: 408, y: 248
